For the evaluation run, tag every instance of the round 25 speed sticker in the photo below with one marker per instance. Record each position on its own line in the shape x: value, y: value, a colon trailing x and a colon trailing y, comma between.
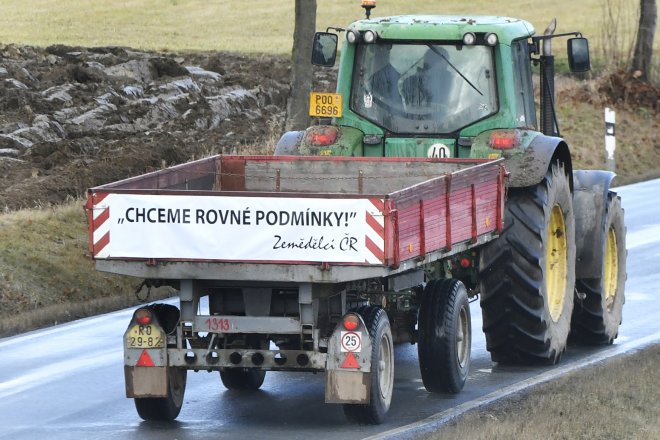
x: 351, y: 341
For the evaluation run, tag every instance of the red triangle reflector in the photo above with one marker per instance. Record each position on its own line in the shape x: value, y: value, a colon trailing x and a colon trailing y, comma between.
x: 145, y: 360
x: 350, y: 361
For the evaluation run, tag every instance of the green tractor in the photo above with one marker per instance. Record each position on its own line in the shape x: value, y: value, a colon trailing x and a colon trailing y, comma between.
x: 461, y: 87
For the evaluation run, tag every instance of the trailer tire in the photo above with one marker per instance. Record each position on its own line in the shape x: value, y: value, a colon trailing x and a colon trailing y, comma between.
x: 382, y: 364
x: 445, y: 336
x: 596, y: 318
x: 164, y: 408
x: 242, y: 379
x: 527, y: 275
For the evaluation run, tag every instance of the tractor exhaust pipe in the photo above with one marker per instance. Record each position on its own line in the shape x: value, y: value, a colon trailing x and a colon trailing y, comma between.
x: 549, y: 124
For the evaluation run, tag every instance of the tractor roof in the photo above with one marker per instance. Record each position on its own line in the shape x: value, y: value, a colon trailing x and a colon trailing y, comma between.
x: 444, y: 27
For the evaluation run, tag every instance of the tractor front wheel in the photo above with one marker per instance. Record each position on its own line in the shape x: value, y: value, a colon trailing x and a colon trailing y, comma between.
x: 597, y: 315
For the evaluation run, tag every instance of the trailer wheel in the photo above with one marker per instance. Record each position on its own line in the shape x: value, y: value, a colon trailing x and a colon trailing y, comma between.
x: 445, y: 336
x: 382, y: 369
x: 243, y: 379
x: 164, y: 408
x: 527, y: 275
x: 597, y: 317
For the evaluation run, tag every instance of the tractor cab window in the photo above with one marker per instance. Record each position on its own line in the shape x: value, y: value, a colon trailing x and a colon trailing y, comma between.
x: 522, y: 75
x: 423, y: 88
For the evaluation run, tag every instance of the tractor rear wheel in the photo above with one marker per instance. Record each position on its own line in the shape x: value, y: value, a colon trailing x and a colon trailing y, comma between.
x: 527, y: 275
x: 597, y: 316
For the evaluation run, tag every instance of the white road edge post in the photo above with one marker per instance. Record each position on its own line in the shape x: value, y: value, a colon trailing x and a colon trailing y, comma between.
x: 610, y: 138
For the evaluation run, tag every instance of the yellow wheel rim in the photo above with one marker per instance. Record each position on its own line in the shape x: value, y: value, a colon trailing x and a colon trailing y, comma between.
x: 556, y: 263
x: 611, y: 269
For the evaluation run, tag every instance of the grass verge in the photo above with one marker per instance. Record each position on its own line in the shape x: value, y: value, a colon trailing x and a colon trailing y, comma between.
x: 46, y: 275
x: 619, y: 399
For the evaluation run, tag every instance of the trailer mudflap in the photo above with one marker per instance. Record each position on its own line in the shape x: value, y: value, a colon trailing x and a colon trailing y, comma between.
x: 145, y: 359
x: 345, y: 386
x: 146, y: 381
x: 145, y: 372
x: 348, y: 370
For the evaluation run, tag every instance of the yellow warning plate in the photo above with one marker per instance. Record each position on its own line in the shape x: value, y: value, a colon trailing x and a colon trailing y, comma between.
x: 145, y: 336
x: 325, y: 105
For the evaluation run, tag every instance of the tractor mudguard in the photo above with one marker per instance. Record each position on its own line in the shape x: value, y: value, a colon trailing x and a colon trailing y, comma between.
x: 591, y: 188
x: 529, y: 159
x: 529, y: 168
x: 289, y: 144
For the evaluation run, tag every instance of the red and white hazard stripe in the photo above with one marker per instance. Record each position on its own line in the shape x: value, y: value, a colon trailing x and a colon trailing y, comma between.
x: 100, y: 225
x: 375, y: 237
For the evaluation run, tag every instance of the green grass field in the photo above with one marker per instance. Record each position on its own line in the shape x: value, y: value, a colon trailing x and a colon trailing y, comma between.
x: 260, y: 26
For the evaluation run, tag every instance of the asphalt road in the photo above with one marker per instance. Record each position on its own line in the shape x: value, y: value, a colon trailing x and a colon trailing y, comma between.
x: 66, y: 382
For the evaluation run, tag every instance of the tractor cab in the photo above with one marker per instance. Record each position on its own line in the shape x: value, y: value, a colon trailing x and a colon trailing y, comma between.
x: 425, y: 86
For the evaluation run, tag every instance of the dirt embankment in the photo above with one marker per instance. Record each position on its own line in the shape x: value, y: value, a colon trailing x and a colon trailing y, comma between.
x: 72, y: 118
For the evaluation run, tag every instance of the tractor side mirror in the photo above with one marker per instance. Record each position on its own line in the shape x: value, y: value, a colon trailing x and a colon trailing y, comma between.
x: 324, y: 50
x: 578, y: 55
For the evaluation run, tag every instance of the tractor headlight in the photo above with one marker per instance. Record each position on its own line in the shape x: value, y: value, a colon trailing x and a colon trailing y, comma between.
x: 491, y: 39
x: 370, y: 37
x: 353, y: 37
x: 469, y: 39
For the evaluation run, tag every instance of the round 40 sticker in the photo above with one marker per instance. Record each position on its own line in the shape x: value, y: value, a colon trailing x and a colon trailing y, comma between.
x: 438, y: 151
x: 351, y: 341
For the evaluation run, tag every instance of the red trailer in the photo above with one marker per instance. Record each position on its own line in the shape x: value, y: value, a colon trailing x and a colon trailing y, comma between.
x: 301, y: 264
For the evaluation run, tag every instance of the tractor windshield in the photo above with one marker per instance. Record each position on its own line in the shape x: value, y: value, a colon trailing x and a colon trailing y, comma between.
x: 423, y: 88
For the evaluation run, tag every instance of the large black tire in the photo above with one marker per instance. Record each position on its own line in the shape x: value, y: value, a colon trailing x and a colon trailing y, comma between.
x: 445, y: 336
x: 527, y: 275
x: 164, y: 408
x: 382, y: 369
x: 242, y: 379
x: 596, y: 318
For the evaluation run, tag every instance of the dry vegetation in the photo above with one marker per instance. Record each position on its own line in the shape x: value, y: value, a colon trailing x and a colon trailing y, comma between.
x: 616, y: 400
x: 46, y: 275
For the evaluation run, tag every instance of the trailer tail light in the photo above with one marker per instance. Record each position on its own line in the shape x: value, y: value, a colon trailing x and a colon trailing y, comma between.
x: 465, y: 263
x: 143, y: 316
x: 504, y: 140
x: 351, y: 321
x: 321, y: 136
